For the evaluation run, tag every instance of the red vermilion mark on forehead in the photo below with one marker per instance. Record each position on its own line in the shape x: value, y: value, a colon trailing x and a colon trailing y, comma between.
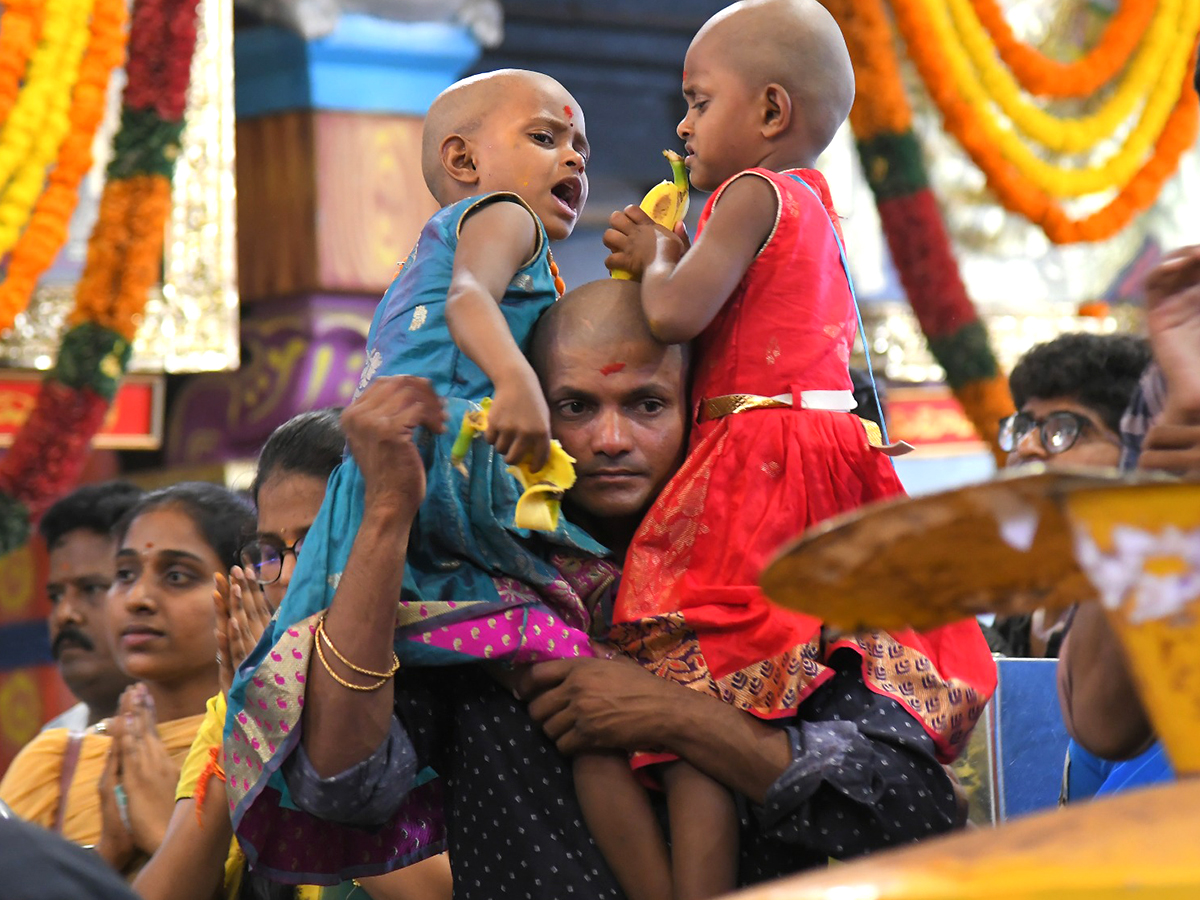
x: 570, y: 114
x: 612, y: 368
x: 685, y: 73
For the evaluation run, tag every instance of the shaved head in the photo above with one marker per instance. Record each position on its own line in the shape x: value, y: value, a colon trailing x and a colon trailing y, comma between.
x: 795, y: 44
x: 604, y: 313
x: 464, y: 107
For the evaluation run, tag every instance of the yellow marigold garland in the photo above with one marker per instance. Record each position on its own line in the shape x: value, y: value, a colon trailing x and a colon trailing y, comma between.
x: 17, y: 198
x: 1045, y: 77
x: 46, y: 232
x: 1147, y: 74
x: 43, y: 82
x: 947, y: 73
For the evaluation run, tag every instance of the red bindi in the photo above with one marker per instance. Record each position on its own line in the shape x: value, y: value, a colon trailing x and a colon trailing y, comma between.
x: 568, y: 111
x: 612, y: 368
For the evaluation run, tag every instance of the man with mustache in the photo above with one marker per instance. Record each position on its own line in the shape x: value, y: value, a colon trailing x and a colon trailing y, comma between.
x: 77, y: 534
x: 50, y: 771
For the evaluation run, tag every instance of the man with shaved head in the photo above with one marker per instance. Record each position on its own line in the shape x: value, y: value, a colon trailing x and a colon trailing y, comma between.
x: 852, y: 773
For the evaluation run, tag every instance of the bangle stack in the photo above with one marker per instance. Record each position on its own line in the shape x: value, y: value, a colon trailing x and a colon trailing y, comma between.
x: 384, y: 677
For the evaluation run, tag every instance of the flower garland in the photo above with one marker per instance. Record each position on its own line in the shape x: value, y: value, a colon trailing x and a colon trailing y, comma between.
x: 40, y: 95
x: 1147, y: 76
x: 46, y: 231
x: 1045, y: 77
x: 18, y: 37
x: 912, y: 223
x: 18, y: 196
x: 1013, y: 188
x: 946, y: 70
x: 123, y: 261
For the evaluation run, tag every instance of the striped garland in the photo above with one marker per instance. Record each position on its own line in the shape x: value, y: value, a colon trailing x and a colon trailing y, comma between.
x: 123, y: 264
x: 912, y: 223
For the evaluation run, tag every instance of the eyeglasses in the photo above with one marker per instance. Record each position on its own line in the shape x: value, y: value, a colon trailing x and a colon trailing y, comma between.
x: 264, y: 556
x: 1058, y: 431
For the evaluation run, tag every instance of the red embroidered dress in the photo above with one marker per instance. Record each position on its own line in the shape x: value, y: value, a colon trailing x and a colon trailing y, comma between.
x: 689, y: 606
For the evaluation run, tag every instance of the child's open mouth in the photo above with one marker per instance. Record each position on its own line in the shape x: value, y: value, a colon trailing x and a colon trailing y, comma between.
x: 567, y: 192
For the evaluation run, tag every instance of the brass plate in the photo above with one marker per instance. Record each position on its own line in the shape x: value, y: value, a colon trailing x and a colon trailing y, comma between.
x: 1000, y: 546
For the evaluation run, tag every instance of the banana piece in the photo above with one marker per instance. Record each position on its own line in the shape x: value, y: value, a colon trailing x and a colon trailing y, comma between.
x: 667, y: 202
x: 538, y: 506
x: 473, y: 423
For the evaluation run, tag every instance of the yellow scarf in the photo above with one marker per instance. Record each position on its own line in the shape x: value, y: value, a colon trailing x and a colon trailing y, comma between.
x: 32, y: 784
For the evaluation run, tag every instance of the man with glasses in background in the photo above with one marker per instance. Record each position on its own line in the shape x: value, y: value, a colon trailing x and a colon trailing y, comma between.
x: 1070, y: 394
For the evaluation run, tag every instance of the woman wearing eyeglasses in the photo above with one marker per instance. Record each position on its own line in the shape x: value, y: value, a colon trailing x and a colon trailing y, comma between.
x: 198, y: 858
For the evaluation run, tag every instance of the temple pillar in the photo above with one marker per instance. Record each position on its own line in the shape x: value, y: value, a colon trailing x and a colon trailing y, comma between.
x: 330, y: 199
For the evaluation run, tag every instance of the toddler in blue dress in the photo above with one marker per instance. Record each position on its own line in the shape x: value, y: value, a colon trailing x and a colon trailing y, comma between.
x: 505, y: 155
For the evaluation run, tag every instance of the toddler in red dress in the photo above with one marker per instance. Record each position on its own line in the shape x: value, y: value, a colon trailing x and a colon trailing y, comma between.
x: 765, y: 293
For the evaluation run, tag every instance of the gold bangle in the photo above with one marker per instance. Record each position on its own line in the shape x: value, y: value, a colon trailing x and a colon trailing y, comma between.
x: 342, y: 681
x: 321, y: 635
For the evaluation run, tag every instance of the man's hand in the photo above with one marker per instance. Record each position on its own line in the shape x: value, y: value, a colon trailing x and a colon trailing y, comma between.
x: 379, y: 428
x: 1171, y: 448
x: 1173, y: 321
x: 635, y: 240
x: 519, y: 419
x: 599, y: 704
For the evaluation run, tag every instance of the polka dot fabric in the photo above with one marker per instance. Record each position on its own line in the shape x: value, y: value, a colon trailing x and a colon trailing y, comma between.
x: 863, y: 775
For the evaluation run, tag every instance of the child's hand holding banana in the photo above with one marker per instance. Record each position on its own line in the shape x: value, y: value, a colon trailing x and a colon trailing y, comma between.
x: 666, y: 204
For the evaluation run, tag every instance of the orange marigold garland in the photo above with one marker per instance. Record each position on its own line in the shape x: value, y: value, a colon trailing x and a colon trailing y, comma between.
x: 1013, y: 190
x: 122, y: 268
x: 18, y: 37
x: 123, y: 263
x: 1047, y: 77
x: 46, y: 231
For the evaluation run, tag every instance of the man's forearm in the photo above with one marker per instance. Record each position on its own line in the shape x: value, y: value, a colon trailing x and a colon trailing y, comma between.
x: 342, y: 727
x: 1099, y: 699
x: 730, y: 746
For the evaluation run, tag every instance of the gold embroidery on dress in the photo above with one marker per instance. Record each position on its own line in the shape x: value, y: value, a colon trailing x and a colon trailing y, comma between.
x: 668, y: 647
x: 662, y: 552
x: 774, y: 684
x: 773, y: 351
x: 948, y: 708
x: 420, y: 314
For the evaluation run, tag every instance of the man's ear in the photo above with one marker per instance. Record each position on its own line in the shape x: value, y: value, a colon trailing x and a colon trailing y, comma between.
x: 458, y: 160
x: 777, y: 110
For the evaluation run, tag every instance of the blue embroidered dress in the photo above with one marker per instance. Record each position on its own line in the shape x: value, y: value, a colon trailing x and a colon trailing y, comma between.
x: 471, y: 574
